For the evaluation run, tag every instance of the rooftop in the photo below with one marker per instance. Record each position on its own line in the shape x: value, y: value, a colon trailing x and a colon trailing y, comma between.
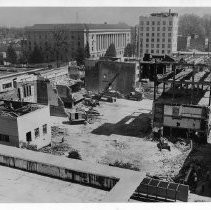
x: 15, y: 109
x: 74, y: 26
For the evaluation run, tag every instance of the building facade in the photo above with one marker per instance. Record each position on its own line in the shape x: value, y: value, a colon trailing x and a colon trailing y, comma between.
x: 158, y: 33
x: 98, y: 36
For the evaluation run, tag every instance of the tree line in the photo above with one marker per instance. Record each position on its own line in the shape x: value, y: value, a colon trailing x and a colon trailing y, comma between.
x: 191, y: 24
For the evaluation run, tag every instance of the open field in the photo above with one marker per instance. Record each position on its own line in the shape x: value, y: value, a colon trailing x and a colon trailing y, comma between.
x: 120, y: 135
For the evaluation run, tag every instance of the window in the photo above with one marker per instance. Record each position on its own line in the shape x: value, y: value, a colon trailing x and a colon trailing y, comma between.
x: 169, y: 51
x: 163, y: 45
x: 28, y: 136
x: 147, y: 22
x: 169, y: 28
x: 141, y: 34
x: 147, y: 28
x: 158, y: 28
x: 163, y: 51
x: 147, y: 40
x: 164, y: 22
x: 44, y: 128
x: 157, y: 51
x: 158, y: 40
x: 147, y: 34
x: 27, y: 90
x: 153, y: 23
x: 147, y: 45
x: 72, y: 37
x: 36, y: 132
x: 169, y: 46
x: 152, y: 51
x: 152, y: 40
x: 158, y: 45
x: 169, y: 34
x: 141, y: 28
x: 153, y: 28
x: 152, y: 45
x: 153, y: 34
x: 158, y: 34
x: 163, y: 34
x: 4, y: 138
x: 158, y: 23
x: 7, y: 85
x: 170, y: 23
x: 164, y: 28
x: 169, y: 40
x: 142, y: 23
x: 163, y: 40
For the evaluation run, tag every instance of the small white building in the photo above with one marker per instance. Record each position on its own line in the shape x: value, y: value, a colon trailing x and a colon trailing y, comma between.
x: 23, y: 123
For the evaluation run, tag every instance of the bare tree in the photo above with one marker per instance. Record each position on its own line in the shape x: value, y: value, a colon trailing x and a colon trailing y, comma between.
x: 60, y: 45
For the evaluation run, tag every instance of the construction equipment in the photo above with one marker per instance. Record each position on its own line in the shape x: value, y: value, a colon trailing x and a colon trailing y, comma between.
x: 106, y: 98
x: 77, y: 117
x: 135, y: 96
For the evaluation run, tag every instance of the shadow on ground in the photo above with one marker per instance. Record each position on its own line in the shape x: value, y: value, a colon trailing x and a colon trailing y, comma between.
x: 134, y: 126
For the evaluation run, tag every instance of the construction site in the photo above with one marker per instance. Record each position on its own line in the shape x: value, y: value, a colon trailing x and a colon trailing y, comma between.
x: 156, y: 131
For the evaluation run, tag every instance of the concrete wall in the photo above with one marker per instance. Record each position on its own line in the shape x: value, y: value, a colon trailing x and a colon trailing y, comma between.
x: 33, y: 120
x: 8, y: 126
x: 30, y: 163
x: 124, y: 83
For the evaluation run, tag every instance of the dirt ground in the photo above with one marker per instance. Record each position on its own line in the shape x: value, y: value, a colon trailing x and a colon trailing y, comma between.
x: 120, y: 134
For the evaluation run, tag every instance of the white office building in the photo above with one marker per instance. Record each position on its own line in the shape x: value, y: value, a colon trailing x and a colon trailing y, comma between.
x: 158, y: 33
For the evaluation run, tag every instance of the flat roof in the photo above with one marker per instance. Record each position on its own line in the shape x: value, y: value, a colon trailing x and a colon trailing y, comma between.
x: 24, y: 187
x: 75, y: 27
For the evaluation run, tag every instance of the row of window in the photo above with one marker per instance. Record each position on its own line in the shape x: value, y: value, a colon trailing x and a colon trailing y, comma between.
x: 36, y: 133
x: 158, y: 51
x: 4, y: 138
x: 155, y: 34
x: 7, y: 85
x: 27, y: 90
x: 158, y: 45
x: 158, y: 40
x: 156, y: 23
x: 158, y: 28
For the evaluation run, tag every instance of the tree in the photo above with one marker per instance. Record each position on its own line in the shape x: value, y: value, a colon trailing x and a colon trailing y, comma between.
x: 86, y: 51
x: 1, y: 59
x: 80, y: 56
x: 190, y: 24
x: 11, y: 55
x: 111, y: 51
x: 128, y: 51
x: 36, y: 56
x: 60, y: 45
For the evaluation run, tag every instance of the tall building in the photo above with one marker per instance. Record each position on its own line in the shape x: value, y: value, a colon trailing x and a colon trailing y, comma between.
x: 158, y: 33
x: 98, y: 36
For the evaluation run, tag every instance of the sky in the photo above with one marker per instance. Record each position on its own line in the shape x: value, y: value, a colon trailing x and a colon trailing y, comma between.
x: 26, y: 16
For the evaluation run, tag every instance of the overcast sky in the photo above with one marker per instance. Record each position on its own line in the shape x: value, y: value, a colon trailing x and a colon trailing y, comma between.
x: 23, y: 16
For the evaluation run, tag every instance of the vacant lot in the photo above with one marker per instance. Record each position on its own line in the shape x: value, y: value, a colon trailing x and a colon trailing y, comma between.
x: 120, y: 135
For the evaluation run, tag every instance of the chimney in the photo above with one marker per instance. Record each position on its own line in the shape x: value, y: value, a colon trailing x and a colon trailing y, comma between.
x: 169, y: 11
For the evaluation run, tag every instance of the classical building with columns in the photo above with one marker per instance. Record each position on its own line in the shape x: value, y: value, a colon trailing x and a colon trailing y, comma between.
x: 98, y: 36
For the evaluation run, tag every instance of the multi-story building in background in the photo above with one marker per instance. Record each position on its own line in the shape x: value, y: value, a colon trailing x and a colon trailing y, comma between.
x: 158, y: 33
x: 98, y: 36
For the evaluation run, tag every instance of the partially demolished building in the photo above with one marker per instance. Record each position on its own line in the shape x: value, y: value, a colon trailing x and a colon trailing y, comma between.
x: 182, y: 108
x: 24, y: 124
x: 99, y: 73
